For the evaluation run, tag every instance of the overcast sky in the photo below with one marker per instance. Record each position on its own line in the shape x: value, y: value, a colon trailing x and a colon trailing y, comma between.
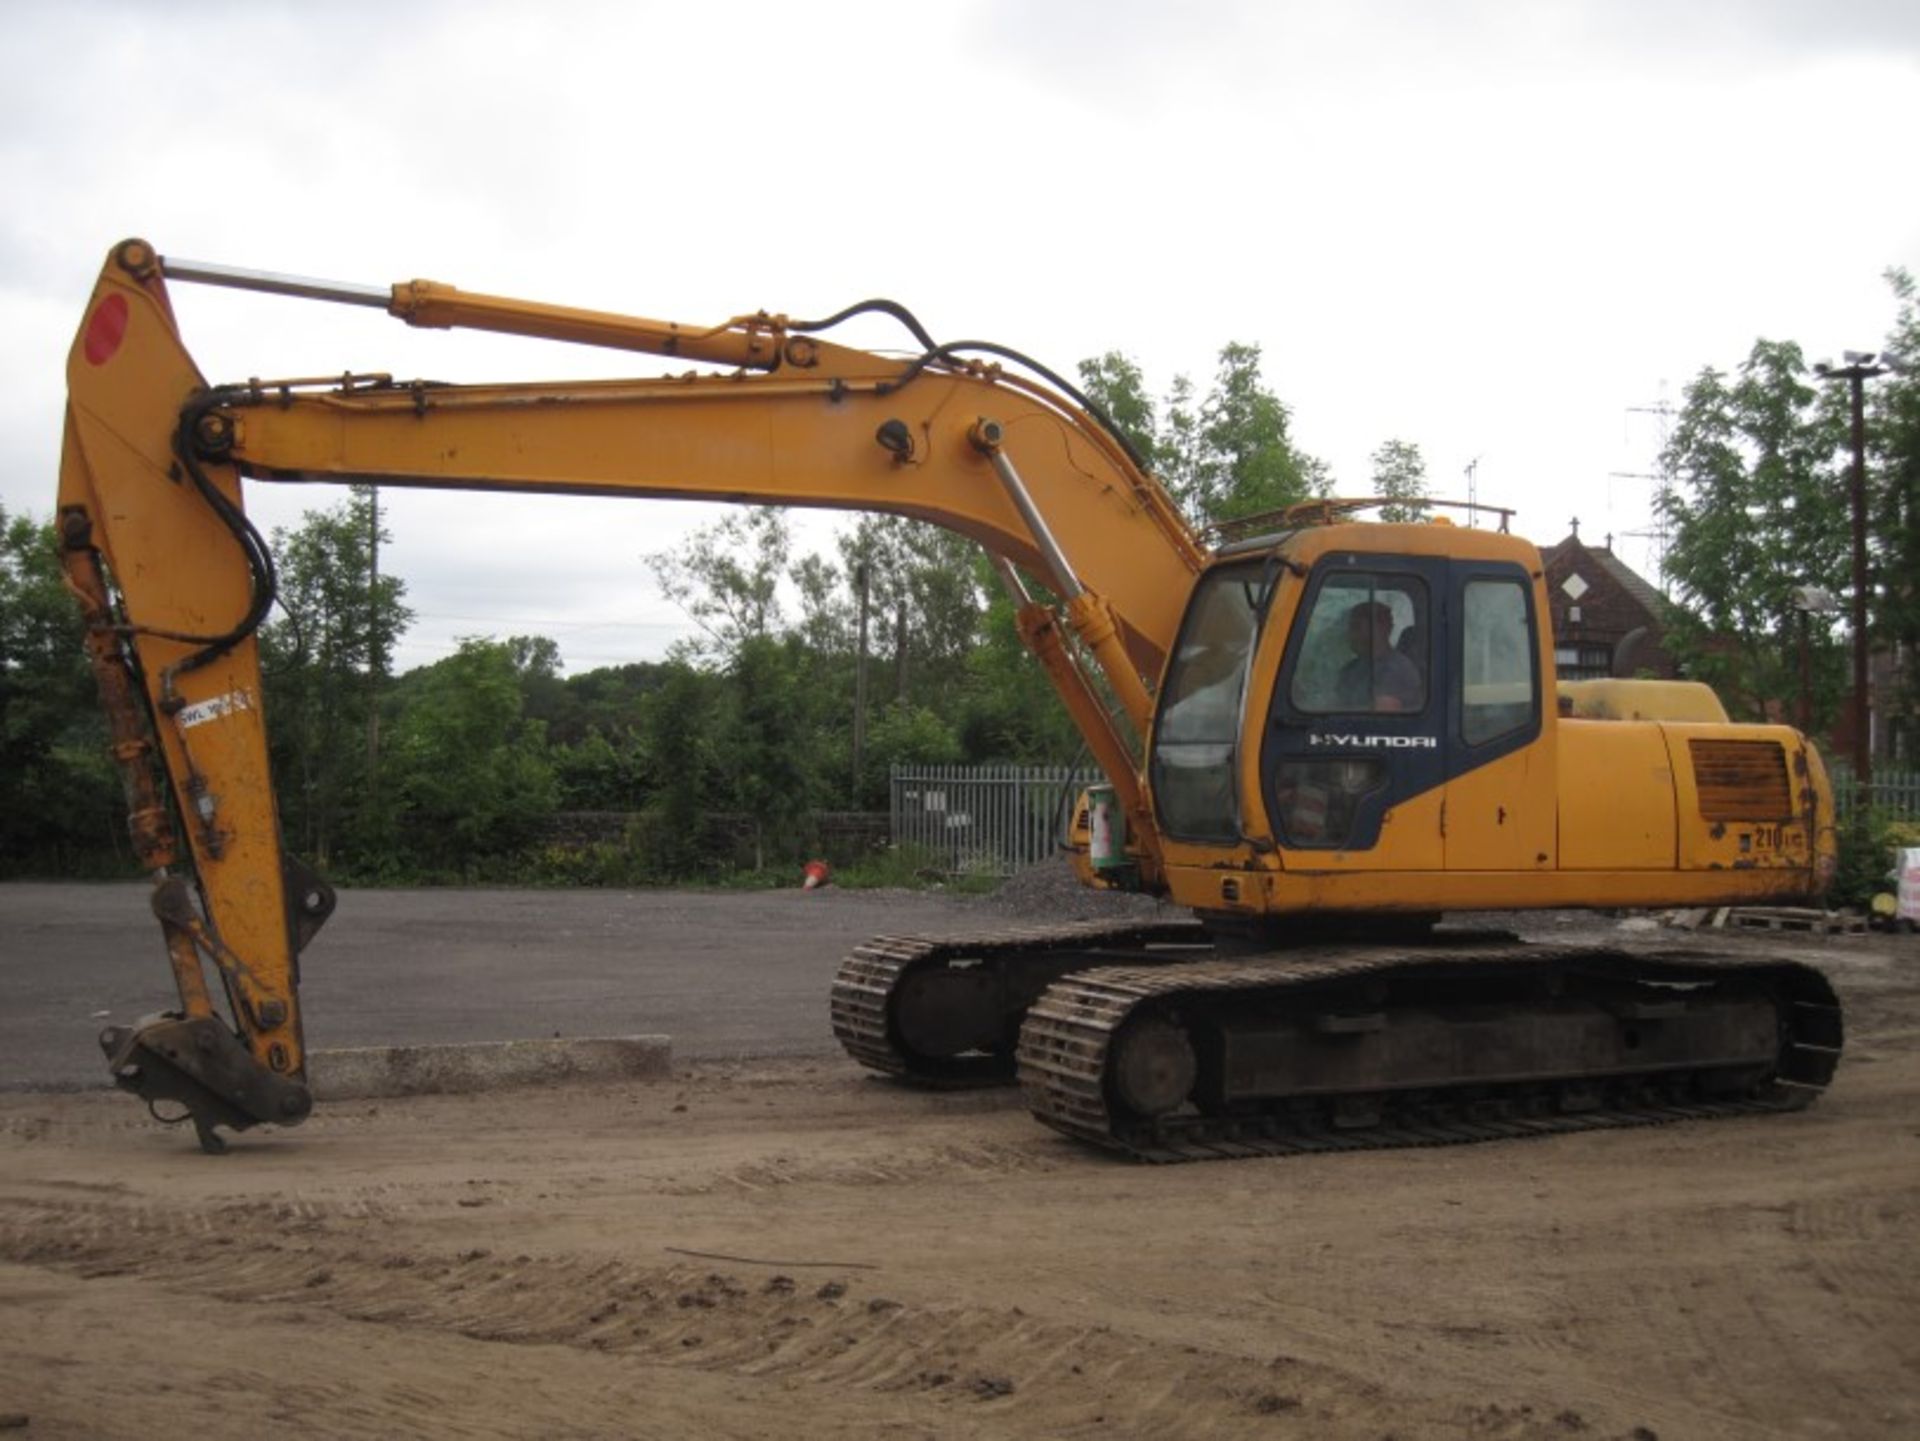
x: 1491, y: 229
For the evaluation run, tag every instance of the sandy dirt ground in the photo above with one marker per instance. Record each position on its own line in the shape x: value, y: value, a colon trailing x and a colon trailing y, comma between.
x: 789, y: 1248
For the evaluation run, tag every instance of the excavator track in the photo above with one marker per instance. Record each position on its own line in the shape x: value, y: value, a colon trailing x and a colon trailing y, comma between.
x: 995, y: 974
x: 1097, y: 1032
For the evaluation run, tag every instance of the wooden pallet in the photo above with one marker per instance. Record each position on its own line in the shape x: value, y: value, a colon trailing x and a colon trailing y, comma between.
x: 1803, y: 919
x: 1792, y: 918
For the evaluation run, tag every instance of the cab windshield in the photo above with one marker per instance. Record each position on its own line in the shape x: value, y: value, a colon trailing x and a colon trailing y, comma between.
x: 1196, y: 738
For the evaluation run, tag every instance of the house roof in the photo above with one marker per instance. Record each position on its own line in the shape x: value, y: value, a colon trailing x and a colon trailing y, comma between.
x: 1644, y: 593
x: 1635, y: 584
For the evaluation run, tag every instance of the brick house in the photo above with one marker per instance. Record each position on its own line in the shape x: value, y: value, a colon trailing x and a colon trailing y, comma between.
x: 1607, y: 618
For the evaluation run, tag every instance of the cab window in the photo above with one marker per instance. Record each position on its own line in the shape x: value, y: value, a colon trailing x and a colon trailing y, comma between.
x: 1365, y: 647
x: 1196, y: 738
x: 1497, y: 663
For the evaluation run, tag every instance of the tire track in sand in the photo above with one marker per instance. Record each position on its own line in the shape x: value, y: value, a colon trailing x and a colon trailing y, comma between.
x: 842, y: 1332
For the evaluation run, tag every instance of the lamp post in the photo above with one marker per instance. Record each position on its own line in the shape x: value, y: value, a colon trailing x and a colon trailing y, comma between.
x: 1861, y: 367
x: 1809, y: 601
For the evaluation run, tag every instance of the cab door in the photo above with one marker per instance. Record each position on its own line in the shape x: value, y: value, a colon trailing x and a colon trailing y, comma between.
x: 1501, y: 790
x: 1353, y: 762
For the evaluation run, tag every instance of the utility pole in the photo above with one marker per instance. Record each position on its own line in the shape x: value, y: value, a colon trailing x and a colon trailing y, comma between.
x: 377, y: 656
x: 860, y: 682
x: 1861, y: 367
x: 900, y: 653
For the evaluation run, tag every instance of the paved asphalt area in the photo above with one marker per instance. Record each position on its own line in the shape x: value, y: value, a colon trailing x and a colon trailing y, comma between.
x: 723, y: 973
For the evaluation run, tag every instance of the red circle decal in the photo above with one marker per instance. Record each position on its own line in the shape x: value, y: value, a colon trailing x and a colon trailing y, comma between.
x: 106, y: 328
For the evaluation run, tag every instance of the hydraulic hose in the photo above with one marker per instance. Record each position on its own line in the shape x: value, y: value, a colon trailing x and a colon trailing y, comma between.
x: 263, y: 582
x: 934, y: 352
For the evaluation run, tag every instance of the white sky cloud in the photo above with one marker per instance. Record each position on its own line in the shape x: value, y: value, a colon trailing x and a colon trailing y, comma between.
x: 1487, y: 228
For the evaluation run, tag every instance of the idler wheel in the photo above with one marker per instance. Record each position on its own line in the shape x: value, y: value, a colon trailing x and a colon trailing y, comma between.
x: 1153, y: 1066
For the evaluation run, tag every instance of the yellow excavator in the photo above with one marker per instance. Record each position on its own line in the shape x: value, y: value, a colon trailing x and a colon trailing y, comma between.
x: 1316, y: 738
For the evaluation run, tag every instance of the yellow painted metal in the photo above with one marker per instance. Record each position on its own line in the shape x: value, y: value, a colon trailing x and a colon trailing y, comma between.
x: 1257, y: 828
x: 1443, y: 542
x: 1781, y: 843
x: 752, y: 341
x: 1039, y: 631
x: 130, y: 737
x: 179, y: 570
x: 1267, y: 891
x: 189, y: 977
x: 767, y: 440
x: 1645, y: 700
x: 1502, y: 816
x: 1816, y: 802
x: 1616, y: 797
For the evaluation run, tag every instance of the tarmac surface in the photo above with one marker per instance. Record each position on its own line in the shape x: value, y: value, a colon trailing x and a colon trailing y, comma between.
x: 725, y: 974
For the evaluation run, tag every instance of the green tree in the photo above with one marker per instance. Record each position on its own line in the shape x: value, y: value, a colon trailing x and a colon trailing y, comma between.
x: 1009, y: 711
x: 1758, y: 509
x: 1178, y: 452
x: 924, y: 602
x: 904, y: 734
x: 1893, y: 428
x: 610, y: 699
x: 1115, y: 384
x: 1400, y: 474
x: 323, y: 660
x: 727, y: 579
x: 1247, y: 460
x: 1222, y: 456
x: 828, y: 618
x: 685, y: 775
x: 766, y: 745
x: 60, y: 805
x: 470, y: 775
x: 544, y: 694
x: 596, y: 773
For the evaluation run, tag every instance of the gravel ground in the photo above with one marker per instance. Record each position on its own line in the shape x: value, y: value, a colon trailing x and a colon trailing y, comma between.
x: 1050, y: 891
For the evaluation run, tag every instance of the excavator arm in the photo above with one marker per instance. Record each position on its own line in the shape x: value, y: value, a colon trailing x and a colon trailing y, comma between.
x: 174, y: 580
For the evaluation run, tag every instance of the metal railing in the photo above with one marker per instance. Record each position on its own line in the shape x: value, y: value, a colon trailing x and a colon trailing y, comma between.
x: 985, y: 820
x: 1894, y: 794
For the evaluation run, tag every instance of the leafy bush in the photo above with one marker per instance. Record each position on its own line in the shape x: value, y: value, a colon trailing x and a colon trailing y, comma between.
x: 1867, y: 845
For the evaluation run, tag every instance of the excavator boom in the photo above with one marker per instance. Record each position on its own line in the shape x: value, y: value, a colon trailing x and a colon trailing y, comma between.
x: 174, y: 580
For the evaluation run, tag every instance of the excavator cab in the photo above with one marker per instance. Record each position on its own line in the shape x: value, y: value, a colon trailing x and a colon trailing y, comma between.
x: 1330, y: 687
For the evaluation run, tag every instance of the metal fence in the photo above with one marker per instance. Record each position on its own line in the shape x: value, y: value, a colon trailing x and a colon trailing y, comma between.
x: 989, y: 820
x: 1895, y: 794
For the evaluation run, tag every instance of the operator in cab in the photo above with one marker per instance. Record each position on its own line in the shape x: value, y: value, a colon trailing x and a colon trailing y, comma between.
x: 1379, y: 677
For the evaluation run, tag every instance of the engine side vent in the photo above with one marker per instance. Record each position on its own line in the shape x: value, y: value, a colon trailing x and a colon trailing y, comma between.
x: 1742, y: 780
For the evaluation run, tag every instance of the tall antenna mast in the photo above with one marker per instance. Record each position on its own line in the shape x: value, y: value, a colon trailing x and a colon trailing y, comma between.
x: 1657, y: 530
